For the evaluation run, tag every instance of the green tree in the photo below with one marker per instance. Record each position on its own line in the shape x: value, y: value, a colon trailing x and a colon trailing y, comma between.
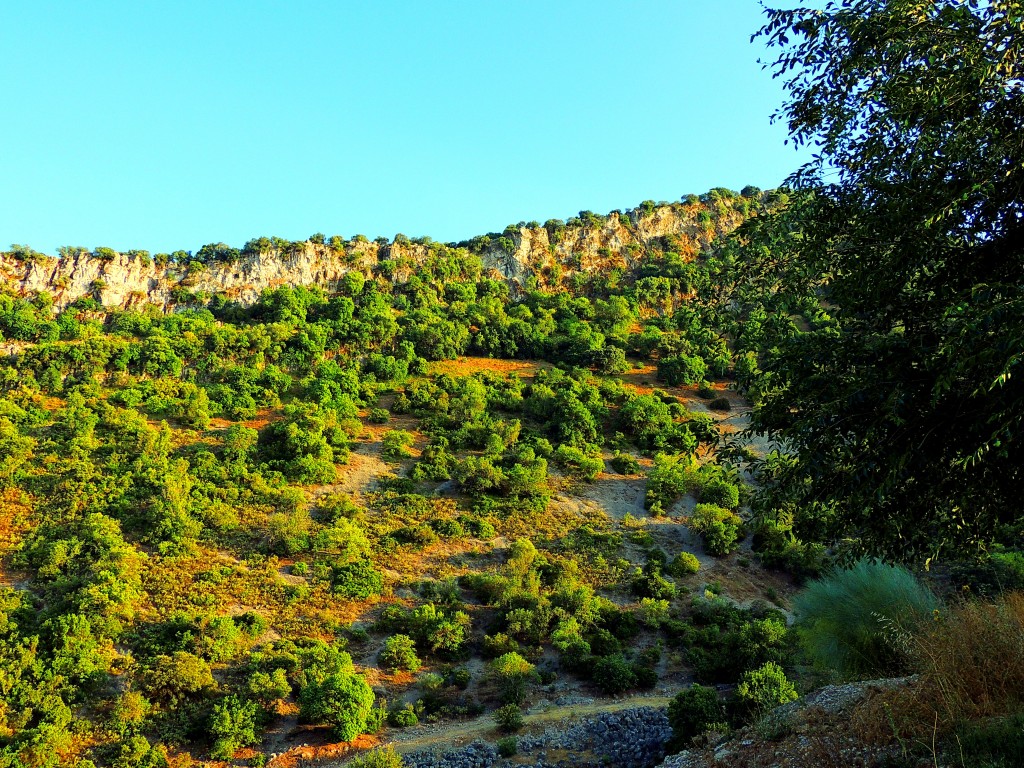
x: 765, y: 687
x: 904, y: 245
x: 233, y: 724
x: 693, y: 711
x: 341, y: 699
x: 513, y: 674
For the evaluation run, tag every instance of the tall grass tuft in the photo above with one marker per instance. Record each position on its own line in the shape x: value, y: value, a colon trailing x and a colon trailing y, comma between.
x: 973, y: 659
x: 853, y: 622
x: 967, y: 703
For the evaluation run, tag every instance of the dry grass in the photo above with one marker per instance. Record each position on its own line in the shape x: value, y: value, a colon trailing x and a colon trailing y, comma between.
x: 467, y: 366
x: 15, y: 519
x: 972, y: 668
x: 323, y: 752
x: 973, y: 658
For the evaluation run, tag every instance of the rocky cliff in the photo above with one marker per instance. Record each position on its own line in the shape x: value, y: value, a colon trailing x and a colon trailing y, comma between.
x: 549, y: 254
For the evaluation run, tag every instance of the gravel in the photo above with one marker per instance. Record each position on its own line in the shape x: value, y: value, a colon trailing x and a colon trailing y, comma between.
x: 632, y: 738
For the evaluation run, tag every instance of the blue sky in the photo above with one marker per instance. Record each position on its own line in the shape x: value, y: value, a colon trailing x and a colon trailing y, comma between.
x: 169, y: 125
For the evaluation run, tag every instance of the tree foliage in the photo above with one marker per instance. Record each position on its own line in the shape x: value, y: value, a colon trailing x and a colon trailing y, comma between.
x: 901, y: 248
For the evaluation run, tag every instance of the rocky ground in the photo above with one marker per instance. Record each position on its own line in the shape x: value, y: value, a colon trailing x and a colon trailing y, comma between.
x: 631, y: 738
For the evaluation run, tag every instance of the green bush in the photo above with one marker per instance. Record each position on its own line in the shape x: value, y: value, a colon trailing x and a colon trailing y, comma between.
x: 693, y: 711
x: 499, y: 644
x: 233, y: 725
x: 137, y: 752
x: 399, y: 652
x: 268, y: 687
x: 669, y: 478
x: 719, y: 528
x: 613, y: 674
x: 650, y: 583
x: 653, y: 613
x: 577, y: 463
x: 683, y: 564
x: 403, y: 717
x: 721, y: 493
x: 378, y: 416
x: 179, y: 676
x: 507, y: 746
x: 625, y: 464
x: 395, y: 444
x: 847, y: 620
x: 381, y: 757
x: 358, y: 580
x: 342, y: 699
x: 765, y: 687
x: 513, y: 674
x: 508, y: 718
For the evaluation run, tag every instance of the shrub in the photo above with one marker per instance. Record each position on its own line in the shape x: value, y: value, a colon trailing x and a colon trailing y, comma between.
x: 399, y: 652
x: 683, y: 564
x: 995, y: 573
x: 670, y: 478
x: 694, y: 711
x: 682, y: 369
x: 378, y: 416
x: 577, y: 463
x: 508, y: 718
x: 507, y: 746
x: 382, y: 757
x: 499, y: 644
x: 268, y: 687
x: 721, y: 493
x: 341, y: 699
x: 137, y: 752
x: 233, y: 725
x: 403, y: 717
x: 719, y: 528
x: 720, y: 404
x: 512, y: 673
x: 448, y: 528
x: 650, y: 583
x: 460, y: 677
x: 129, y: 712
x: 765, y: 687
x: 178, y: 676
x: 613, y: 674
x: 646, y: 677
x: 846, y: 620
x: 357, y: 580
x: 653, y: 612
x: 625, y: 464
x: 396, y: 443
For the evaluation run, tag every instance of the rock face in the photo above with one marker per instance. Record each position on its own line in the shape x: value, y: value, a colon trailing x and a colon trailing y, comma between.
x: 632, y: 738
x: 551, y: 255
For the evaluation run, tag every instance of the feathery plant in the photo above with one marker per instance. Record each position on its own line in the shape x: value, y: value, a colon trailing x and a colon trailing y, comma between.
x: 848, y: 621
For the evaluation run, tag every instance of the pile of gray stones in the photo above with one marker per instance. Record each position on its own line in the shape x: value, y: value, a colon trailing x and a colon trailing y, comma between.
x: 632, y: 738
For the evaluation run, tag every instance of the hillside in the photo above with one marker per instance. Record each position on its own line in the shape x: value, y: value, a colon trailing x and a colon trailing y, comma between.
x: 325, y: 489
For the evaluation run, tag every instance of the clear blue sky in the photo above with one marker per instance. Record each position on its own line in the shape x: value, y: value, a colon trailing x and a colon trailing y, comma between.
x: 165, y: 125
